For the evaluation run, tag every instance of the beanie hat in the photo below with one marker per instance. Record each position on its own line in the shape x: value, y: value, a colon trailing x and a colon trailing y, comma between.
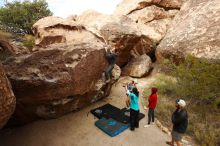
x: 154, y: 90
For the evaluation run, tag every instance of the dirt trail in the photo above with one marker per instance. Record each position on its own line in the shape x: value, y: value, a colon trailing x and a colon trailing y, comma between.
x: 78, y: 129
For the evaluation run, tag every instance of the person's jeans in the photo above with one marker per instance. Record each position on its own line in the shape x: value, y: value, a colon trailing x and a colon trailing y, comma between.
x: 150, y: 115
x: 134, y: 121
x: 108, y: 72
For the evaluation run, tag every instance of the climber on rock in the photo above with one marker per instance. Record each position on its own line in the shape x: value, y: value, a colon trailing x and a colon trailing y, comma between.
x: 111, y: 56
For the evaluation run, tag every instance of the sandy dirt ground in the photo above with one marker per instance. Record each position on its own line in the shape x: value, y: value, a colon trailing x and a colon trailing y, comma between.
x: 78, y: 129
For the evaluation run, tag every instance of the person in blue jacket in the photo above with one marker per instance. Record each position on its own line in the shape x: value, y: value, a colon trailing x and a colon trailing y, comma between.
x: 134, y: 108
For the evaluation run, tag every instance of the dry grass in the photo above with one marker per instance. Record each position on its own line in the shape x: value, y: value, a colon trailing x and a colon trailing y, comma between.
x: 28, y: 41
x: 204, y: 120
x: 5, y: 35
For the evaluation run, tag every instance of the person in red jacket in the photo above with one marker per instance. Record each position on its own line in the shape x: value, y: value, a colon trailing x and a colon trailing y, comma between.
x: 152, y: 103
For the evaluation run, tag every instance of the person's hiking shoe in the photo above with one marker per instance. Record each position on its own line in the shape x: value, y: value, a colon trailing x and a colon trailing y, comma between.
x: 169, y: 143
x: 153, y: 123
x: 132, y: 129
x: 146, y: 126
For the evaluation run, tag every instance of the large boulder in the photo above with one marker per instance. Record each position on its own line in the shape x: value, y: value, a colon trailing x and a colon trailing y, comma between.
x: 116, y: 72
x: 58, y: 79
x: 120, y: 32
x: 153, y: 17
x: 195, y: 30
x: 50, y: 30
x: 138, y: 67
x: 7, y: 98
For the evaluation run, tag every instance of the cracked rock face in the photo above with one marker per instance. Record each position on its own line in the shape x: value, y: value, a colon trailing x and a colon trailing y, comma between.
x: 57, y: 79
x: 64, y: 73
x: 153, y: 17
x: 120, y: 32
x: 195, y: 30
x: 50, y: 30
x: 127, y: 6
x: 7, y: 98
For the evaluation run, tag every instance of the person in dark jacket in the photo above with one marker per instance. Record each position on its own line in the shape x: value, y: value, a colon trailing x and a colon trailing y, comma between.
x: 152, y: 103
x: 111, y: 56
x: 180, y: 122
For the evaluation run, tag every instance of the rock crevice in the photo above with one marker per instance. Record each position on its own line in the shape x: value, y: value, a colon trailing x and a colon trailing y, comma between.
x: 143, y: 5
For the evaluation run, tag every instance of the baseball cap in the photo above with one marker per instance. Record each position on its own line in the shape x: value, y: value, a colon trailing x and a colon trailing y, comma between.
x: 181, y: 102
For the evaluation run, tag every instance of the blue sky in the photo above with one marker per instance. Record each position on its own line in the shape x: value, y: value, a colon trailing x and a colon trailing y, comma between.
x: 64, y: 8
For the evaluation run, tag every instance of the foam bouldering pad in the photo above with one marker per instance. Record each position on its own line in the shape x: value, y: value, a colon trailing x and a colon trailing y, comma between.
x: 111, y: 126
x: 105, y: 111
x: 125, y: 116
x: 109, y: 111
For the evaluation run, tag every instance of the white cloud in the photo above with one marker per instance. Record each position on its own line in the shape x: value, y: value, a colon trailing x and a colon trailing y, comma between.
x: 64, y: 8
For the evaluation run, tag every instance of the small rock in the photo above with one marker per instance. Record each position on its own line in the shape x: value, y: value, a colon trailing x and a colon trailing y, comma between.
x: 116, y: 72
x: 165, y: 130
x: 158, y: 124
x: 185, y: 141
x: 138, y: 67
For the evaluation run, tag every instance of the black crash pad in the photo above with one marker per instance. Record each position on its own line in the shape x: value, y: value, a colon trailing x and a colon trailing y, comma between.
x: 109, y: 111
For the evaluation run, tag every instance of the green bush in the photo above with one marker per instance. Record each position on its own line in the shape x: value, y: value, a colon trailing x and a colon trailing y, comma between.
x: 18, y: 17
x: 198, y: 82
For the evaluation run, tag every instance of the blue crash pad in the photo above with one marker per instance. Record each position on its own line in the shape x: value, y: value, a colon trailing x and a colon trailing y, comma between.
x: 111, y: 126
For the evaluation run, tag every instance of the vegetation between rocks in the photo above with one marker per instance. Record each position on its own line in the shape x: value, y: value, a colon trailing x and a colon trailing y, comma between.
x: 28, y: 41
x: 198, y: 82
